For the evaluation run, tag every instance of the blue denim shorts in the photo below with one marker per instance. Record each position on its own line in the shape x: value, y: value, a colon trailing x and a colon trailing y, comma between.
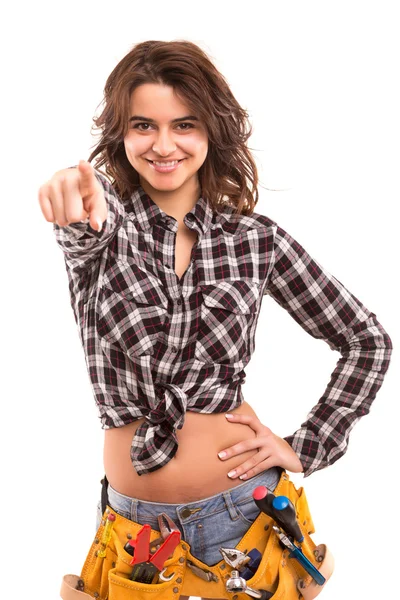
x: 207, y: 524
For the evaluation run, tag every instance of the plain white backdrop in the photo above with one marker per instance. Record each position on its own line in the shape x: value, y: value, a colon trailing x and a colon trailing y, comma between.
x: 320, y: 81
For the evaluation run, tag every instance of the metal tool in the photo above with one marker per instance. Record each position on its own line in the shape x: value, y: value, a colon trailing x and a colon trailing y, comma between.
x: 247, y: 564
x: 234, y: 557
x: 165, y: 530
x: 164, y: 577
x: 202, y: 573
x: 145, y: 565
x: 296, y: 552
x: 237, y: 584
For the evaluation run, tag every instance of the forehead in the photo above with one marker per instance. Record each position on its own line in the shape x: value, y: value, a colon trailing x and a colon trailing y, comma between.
x: 158, y: 101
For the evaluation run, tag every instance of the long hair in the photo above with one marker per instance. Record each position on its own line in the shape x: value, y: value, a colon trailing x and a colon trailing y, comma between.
x: 228, y: 175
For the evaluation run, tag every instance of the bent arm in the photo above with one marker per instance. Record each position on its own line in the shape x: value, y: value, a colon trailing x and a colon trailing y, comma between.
x: 80, y: 243
x: 327, y: 310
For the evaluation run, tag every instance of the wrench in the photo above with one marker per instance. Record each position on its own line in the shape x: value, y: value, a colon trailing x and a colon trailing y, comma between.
x: 237, y: 584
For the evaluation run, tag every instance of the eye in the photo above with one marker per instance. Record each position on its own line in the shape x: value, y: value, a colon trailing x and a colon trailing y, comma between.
x: 184, y: 126
x: 188, y: 125
x: 139, y: 125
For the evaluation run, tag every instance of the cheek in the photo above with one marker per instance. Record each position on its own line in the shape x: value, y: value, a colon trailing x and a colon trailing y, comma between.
x: 197, y: 146
x: 135, y: 147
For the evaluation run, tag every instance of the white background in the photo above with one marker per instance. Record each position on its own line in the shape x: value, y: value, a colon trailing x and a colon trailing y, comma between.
x: 320, y: 81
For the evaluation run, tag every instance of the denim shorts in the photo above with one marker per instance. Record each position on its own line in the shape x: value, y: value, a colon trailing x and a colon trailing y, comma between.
x: 207, y: 524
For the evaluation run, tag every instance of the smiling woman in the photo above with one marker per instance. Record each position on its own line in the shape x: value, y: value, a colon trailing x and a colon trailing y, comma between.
x: 167, y: 296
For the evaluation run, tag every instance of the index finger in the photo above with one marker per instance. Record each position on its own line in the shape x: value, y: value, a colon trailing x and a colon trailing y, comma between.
x: 88, y: 183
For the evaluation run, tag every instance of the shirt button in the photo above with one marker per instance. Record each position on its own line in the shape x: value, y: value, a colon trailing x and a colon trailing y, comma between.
x: 179, y: 301
x: 167, y: 267
x: 174, y: 349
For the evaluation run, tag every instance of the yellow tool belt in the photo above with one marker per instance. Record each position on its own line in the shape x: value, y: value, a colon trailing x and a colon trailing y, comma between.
x: 108, y: 577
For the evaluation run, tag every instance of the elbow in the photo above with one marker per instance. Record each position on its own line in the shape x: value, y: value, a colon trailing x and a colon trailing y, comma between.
x: 384, y: 346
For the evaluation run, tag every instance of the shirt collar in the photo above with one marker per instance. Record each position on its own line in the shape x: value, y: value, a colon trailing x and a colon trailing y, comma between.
x: 147, y: 212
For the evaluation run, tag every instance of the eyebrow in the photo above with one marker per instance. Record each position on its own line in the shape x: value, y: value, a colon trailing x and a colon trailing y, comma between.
x: 140, y: 118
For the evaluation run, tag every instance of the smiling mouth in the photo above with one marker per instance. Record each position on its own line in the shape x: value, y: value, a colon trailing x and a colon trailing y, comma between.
x: 165, y: 162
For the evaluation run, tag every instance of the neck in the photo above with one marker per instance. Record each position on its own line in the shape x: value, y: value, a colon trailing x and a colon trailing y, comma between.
x: 175, y: 203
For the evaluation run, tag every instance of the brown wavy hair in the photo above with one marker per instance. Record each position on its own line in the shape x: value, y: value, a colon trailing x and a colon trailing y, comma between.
x: 228, y: 175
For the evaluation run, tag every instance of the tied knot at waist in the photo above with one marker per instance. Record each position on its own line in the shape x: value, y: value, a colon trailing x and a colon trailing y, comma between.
x: 155, y: 442
x: 161, y: 416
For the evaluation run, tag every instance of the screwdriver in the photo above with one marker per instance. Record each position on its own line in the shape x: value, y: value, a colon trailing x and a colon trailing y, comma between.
x: 264, y: 499
x: 286, y: 515
x: 280, y: 509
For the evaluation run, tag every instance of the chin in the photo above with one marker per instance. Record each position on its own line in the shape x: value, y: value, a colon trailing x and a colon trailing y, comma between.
x: 161, y: 186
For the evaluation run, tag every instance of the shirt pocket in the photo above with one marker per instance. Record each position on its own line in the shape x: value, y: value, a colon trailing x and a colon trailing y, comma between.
x: 131, y: 309
x: 227, y: 314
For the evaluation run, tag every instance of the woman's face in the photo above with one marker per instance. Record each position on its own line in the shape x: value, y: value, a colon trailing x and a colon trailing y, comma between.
x: 161, y: 131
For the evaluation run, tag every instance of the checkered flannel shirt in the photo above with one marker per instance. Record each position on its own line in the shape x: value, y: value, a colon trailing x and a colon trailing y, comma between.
x: 156, y: 346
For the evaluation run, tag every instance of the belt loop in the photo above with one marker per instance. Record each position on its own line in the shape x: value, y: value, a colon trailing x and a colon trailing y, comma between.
x: 134, y: 509
x: 230, y: 506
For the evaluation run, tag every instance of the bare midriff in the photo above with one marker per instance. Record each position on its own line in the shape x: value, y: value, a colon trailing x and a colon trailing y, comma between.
x: 195, y: 472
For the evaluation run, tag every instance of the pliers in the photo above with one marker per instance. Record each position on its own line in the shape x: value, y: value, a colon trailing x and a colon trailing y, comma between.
x: 146, y: 565
x: 296, y: 552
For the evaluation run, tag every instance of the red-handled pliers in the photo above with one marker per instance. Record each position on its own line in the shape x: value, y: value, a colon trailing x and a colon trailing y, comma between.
x: 146, y: 565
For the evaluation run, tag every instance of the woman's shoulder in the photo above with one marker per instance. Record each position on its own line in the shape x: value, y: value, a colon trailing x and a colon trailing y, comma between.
x: 240, y: 224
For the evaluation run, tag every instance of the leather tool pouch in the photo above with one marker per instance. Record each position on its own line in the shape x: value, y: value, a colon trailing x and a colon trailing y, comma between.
x: 107, y: 578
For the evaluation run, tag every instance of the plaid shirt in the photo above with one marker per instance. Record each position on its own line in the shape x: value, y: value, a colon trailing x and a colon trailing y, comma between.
x: 156, y: 346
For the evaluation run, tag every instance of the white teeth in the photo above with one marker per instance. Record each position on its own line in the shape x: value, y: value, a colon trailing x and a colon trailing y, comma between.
x: 165, y: 164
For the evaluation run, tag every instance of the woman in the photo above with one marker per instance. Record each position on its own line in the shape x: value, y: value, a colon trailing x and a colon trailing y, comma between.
x: 168, y: 267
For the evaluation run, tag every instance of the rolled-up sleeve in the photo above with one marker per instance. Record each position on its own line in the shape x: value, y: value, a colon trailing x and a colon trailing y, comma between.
x: 80, y: 243
x: 327, y: 310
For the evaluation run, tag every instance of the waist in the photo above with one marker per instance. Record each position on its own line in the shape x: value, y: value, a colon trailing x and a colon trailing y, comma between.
x: 195, y: 472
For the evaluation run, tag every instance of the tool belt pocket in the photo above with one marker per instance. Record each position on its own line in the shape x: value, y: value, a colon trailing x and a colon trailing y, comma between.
x: 122, y: 587
x: 106, y: 573
x: 279, y: 573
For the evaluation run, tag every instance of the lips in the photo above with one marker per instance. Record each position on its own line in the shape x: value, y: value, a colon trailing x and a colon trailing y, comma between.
x: 166, y: 166
x: 165, y: 162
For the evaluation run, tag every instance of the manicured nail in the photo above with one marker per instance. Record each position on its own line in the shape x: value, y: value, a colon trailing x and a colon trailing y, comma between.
x: 243, y: 476
x: 228, y: 416
x: 99, y: 224
x: 222, y: 454
x: 231, y: 473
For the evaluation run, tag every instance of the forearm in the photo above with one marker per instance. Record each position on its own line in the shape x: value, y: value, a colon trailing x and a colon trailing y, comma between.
x: 359, y: 373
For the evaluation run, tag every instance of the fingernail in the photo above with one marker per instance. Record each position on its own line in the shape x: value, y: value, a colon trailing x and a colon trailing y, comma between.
x: 99, y: 224
x: 222, y: 454
x: 228, y: 416
x: 243, y: 476
x: 231, y: 473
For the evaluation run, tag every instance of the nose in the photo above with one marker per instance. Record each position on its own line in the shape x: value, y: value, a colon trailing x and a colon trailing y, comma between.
x: 164, y: 143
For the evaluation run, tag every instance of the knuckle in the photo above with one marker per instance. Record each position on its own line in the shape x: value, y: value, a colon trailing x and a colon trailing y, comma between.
x: 253, y: 460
